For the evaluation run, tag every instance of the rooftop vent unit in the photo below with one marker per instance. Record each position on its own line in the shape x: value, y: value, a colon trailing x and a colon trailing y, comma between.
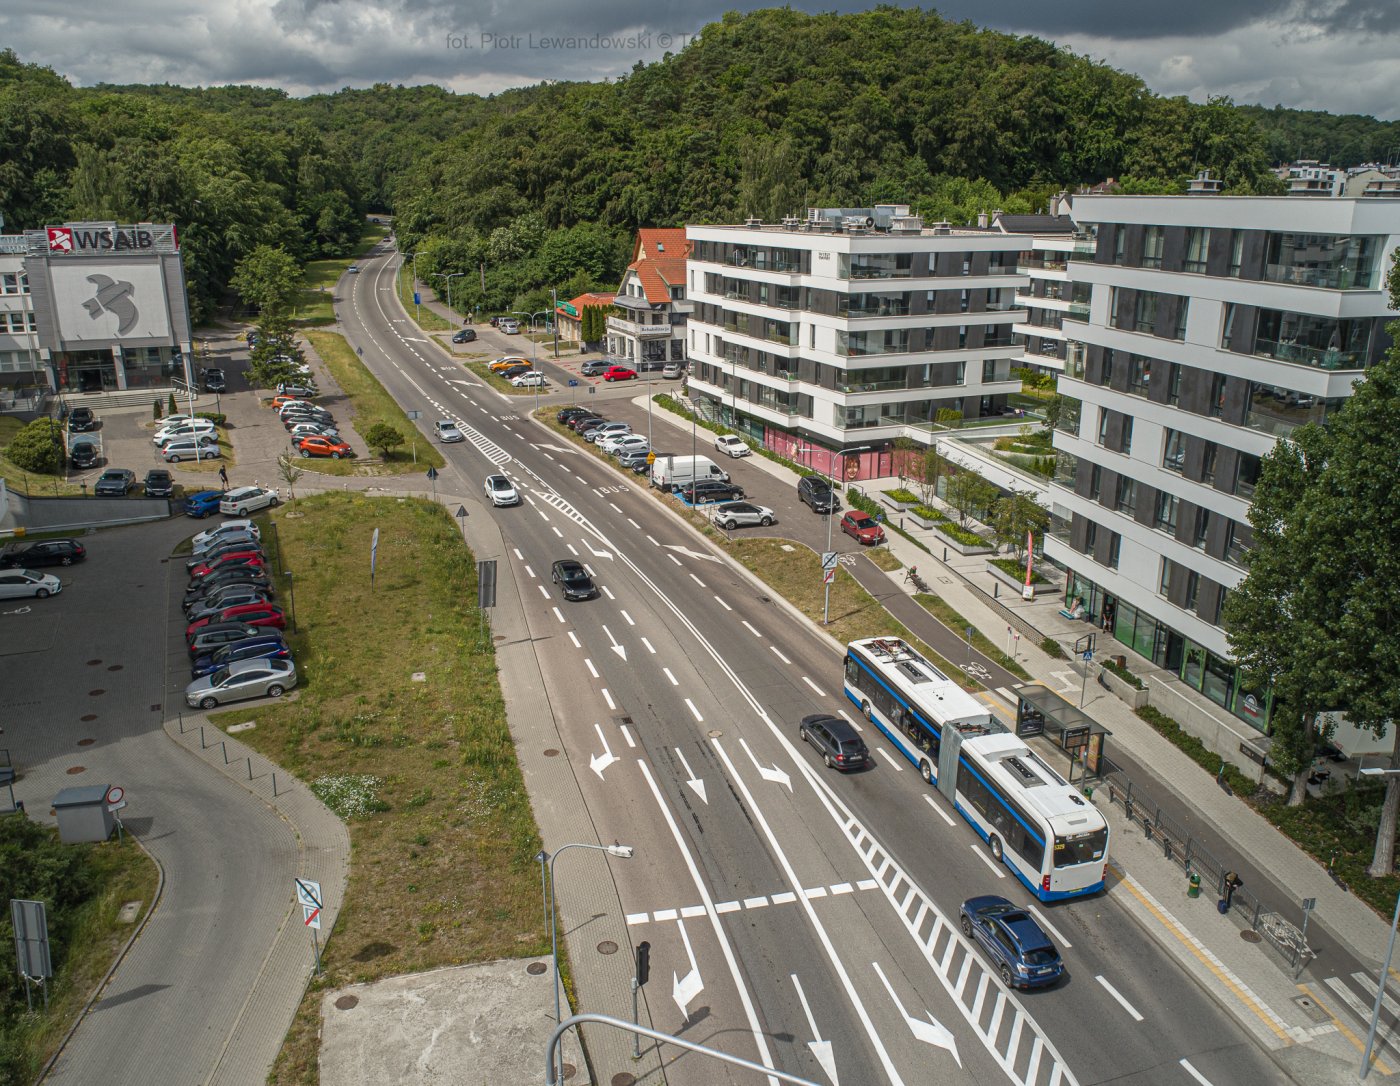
x: 1204, y: 185
x: 906, y: 224
x: 857, y: 224
x: 753, y: 223
x: 941, y: 227
x: 791, y: 222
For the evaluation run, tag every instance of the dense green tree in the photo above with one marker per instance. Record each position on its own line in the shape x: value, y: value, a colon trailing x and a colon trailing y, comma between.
x: 383, y: 437
x: 268, y: 280
x: 1016, y: 516
x: 38, y: 447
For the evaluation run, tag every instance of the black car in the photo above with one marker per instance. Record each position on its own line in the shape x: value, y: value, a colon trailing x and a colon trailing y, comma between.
x: 573, y: 580
x: 233, y: 545
x: 817, y: 493
x: 215, y: 381
x: 579, y: 423
x: 82, y: 420
x: 159, y: 483
x: 45, y: 552
x: 466, y: 335
x: 836, y: 741
x: 205, y: 589
x: 114, y: 483
x: 513, y: 371
x: 711, y: 490
x: 574, y: 412
x: 208, y: 638
x: 83, y: 455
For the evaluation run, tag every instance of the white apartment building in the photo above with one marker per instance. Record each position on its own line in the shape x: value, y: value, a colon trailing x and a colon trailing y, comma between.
x: 851, y: 328
x: 1214, y: 326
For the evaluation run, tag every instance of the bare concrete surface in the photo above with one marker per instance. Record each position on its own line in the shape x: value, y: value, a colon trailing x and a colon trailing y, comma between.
x: 469, y: 1025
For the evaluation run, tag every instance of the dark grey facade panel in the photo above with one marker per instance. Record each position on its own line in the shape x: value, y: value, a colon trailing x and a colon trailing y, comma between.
x: 1173, y: 248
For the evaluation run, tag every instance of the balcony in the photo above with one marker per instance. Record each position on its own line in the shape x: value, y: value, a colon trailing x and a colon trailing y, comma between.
x: 1298, y: 354
x: 1031, y: 267
x: 1078, y: 310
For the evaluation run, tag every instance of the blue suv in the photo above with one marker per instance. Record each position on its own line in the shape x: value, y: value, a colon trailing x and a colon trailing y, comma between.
x: 203, y: 504
x: 254, y: 648
x: 1023, y: 954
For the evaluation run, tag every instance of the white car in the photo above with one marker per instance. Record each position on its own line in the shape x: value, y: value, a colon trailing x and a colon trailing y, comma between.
x: 732, y: 515
x: 529, y: 379
x: 313, y: 429
x: 617, y: 444
x: 204, y: 540
x: 193, y: 428
x: 15, y: 583
x: 732, y: 445
x: 509, y: 325
x: 607, y: 430
x: 188, y: 448
x: 447, y: 431
x: 245, y: 500
x: 205, y: 439
x: 501, y: 491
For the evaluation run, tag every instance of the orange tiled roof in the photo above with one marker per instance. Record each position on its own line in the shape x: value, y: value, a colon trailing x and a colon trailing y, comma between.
x: 658, y: 258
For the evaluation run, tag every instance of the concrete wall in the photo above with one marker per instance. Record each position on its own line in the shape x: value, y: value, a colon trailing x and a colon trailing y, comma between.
x: 1220, y: 735
x: 48, y: 514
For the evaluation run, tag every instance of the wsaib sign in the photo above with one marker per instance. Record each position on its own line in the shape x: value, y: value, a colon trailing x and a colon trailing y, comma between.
x: 102, y: 239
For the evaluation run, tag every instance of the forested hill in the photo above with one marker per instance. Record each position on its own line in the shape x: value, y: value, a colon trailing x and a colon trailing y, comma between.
x: 764, y: 114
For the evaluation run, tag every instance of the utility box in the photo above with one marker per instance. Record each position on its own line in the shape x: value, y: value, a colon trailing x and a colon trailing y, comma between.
x: 83, y: 814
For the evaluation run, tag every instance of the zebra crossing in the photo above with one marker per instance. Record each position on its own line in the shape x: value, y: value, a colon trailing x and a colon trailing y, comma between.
x: 1356, y: 994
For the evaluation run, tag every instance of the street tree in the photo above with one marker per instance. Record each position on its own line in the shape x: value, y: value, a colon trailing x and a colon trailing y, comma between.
x: 287, y: 468
x: 933, y: 467
x: 1016, y: 516
x: 969, y: 493
x: 268, y: 279
x: 906, y: 458
x: 38, y: 447
x: 383, y: 437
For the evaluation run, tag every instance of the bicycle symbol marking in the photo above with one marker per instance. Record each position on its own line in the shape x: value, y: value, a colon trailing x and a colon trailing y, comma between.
x: 976, y: 670
x: 847, y: 559
x: 17, y: 611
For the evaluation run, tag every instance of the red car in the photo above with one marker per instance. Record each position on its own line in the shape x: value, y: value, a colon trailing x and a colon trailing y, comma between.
x: 323, y: 446
x: 250, y: 557
x: 619, y: 373
x: 862, y: 527
x: 253, y: 614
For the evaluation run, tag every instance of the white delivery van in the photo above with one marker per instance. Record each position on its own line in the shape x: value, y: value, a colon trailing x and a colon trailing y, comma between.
x: 674, y: 472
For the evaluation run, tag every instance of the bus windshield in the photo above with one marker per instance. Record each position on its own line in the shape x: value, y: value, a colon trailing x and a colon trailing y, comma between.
x: 1082, y: 848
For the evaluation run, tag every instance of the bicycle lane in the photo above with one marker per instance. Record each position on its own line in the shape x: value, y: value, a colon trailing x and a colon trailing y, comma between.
x: 948, y: 643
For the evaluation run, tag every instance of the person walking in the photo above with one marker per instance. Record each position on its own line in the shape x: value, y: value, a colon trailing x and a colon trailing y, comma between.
x: 223, y: 476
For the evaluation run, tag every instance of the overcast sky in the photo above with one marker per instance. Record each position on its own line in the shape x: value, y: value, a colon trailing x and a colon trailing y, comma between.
x: 1337, y: 55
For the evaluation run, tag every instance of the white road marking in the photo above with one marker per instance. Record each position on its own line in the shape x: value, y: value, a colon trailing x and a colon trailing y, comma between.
x: 996, y: 867
x: 847, y: 718
x: 841, y: 888
x: 723, y: 604
x: 559, y: 614
x: 608, y: 698
x: 543, y: 515
x: 634, y: 524
x: 574, y: 639
x: 665, y: 914
x: 543, y: 591
x: 1186, y: 1065
x: 572, y: 549
x: 673, y: 558
x: 627, y: 734
x: 755, y: 902
x: 530, y: 571
x: 697, y: 580
x: 648, y: 645
x: 939, y: 810
x: 614, y: 505
x: 557, y: 531
x: 694, y: 711
x: 654, y: 543
x: 780, y: 656
x: 591, y: 669
x: 628, y: 617
x: 746, y: 623
x: 667, y: 672
x: 607, y: 592
x: 1119, y: 996
x: 787, y: 897
x: 894, y: 763
x: 518, y: 555
x: 820, y: 692
x: 1049, y: 926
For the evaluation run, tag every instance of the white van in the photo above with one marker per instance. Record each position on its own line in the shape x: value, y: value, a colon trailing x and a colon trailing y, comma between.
x: 674, y: 472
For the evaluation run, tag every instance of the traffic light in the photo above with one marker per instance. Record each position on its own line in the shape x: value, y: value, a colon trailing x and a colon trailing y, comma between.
x: 643, y: 963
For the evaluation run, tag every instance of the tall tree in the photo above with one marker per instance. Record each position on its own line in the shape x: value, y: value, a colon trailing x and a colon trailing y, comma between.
x: 267, y: 279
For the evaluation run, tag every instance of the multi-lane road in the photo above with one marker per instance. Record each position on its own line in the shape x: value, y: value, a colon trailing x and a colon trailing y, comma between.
x: 798, y: 918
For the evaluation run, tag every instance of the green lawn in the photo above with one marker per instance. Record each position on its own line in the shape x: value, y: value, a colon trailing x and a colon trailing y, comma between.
x: 427, y: 319
x: 314, y: 304
x: 944, y: 611
x: 443, y: 870
x: 41, y: 486
x: 372, y: 405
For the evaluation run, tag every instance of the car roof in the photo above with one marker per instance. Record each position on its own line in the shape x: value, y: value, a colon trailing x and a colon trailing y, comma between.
x: 237, y: 666
x: 243, y: 492
x: 840, y: 729
x: 568, y: 565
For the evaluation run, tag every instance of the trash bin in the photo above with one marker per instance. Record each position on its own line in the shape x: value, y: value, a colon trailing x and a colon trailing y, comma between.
x: 1193, y: 885
x: 83, y: 815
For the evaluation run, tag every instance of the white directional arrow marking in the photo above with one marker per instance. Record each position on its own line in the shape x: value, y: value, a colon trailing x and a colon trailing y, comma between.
x: 690, y: 553
x: 773, y: 774
x: 600, y: 762
x: 556, y: 448
x: 596, y: 553
x: 621, y: 650
x: 931, y: 1032
x: 820, y: 1049
x: 693, y: 781
x: 683, y: 990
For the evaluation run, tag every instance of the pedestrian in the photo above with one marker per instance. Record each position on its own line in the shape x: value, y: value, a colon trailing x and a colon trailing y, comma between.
x: 223, y: 476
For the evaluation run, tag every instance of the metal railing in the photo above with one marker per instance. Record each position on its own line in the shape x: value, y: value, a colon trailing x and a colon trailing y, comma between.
x: 1179, y: 846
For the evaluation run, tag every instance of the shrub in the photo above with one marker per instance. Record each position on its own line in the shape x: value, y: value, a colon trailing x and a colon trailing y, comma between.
x: 1122, y: 672
x: 856, y: 500
x: 173, y: 410
x: 900, y: 494
x: 155, y: 410
x: 383, y: 437
x: 38, y: 447
x: 1015, y: 568
x: 1051, y: 648
x: 961, y: 535
x: 1194, y: 749
x: 218, y: 418
x: 928, y: 514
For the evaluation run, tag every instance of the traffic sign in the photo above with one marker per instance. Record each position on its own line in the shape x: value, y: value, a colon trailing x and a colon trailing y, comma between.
x: 309, y: 898
x: 115, y: 793
x: 830, y: 560
x: 461, y: 511
x: 828, y: 576
x: 651, y: 458
x: 432, y: 473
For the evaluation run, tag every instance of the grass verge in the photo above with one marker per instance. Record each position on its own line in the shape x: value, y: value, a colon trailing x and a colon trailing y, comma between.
x: 372, y: 404
x: 944, y: 611
x: 41, y: 486
x: 316, y: 300
x: 499, y: 383
x: 883, y: 558
x: 423, y: 772
x: 426, y: 318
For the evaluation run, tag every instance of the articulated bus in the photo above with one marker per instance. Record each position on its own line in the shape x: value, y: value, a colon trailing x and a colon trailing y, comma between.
x: 1035, y: 822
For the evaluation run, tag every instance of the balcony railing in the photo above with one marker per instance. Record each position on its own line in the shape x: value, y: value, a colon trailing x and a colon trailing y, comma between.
x: 1330, y: 358
x: 1028, y: 267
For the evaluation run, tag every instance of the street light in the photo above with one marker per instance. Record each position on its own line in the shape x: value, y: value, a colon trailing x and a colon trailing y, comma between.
x: 292, y: 593
x: 546, y: 862
x: 414, y: 286
x: 449, y: 276
x: 830, y: 516
x: 1380, y: 771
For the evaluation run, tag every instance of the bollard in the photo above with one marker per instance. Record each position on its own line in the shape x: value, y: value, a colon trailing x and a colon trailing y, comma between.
x: 201, y: 737
x: 996, y: 593
x: 1147, y: 828
x: 250, y: 768
x: 945, y: 554
x: 274, y: 784
x: 181, y: 718
x: 225, y: 746
x: 1193, y: 885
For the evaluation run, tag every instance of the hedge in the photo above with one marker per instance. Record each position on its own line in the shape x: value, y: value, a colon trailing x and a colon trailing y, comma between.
x: 1122, y: 672
x: 962, y: 535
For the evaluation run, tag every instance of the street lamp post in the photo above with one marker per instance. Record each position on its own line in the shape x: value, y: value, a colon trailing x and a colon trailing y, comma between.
x: 449, y: 276
x: 554, y: 315
x: 830, y: 516
x: 292, y: 594
x: 546, y: 862
x: 417, y: 315
x: 1379, y: 771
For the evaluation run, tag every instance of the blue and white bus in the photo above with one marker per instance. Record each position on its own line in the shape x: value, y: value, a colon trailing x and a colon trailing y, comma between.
x: 1034, y: 821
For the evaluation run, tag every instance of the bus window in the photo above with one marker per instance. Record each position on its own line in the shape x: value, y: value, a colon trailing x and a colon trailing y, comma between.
x: 853, y: 675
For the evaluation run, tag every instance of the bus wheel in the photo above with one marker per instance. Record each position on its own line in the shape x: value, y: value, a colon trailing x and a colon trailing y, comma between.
x: 994, y: 842
x: 926, y: 771
x: 865, y: 709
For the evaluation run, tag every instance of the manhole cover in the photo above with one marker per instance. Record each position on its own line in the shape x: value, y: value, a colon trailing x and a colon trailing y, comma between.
x: 499, y: 637
x: 551, y: 753
x: 623, y: 1078
x: 607, y: 946
x: 1250, y: 936
x: 96, y: 693
x: 88, y: 716
x: 536, y: 968
x: 115, y: 667
x: 86, y: 742
x: 345, y: 1002
x: 77, y: 769
x: 94, y: 663
x: 569, y: 1070
x: 715, y: 733
x: 1311, y: 1009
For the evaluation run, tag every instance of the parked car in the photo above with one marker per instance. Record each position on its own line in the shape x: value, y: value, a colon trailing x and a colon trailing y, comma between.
x: 323, y: 446
x: 466, y: 335
x: 238, y: 574
x: 81, y: 420
x: 20, y: 583
x: 208, y: 638
x: 580, y: 422
x: 673, y: 370
x: 447, y: 431
x: 192, y: 428
x: 816, y: 492
x: 529, y: 379
x: 619, y: 373
x: 312, y: 429
x: 711, y: 490
x: 259, y: 613
x: 353, y: 269
x: 114, y: 483
x: 240, y: 543
x: 247, y: 499
x: 188, y: 449
x: 733, y: 445
x: 509, y: 325
x: 573, y: 412
x: 242, y: 679
x: 501, y: 491
x: 512, y: 372
x: 159, y: 483
x: 202, y: 440
x: 204, y: 540
x: 594, y: 367
x: 836, y: 741
x: 83, y: 455
x: 271, y: 647
x: 219, y: 602
x: 303, y: 390
x: 573, y: 580
x: 284, y: 400
x: 733, y: 515
x: 1021, y: 951
x: 505, y: 362
x: 613, y: 443
x: 596, y: 434
x: 203, y: 503
x: 227, y: 560
x: 587, y: 427
x: 862, y: 527
x: 323, y: 419
x: 214, y: 380
x: 629, y: 459
x: 44, y: 552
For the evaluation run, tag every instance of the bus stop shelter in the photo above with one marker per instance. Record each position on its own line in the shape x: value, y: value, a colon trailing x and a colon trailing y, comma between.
x: 1041, y: 711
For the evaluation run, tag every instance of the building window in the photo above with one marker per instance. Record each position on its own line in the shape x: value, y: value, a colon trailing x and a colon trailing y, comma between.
x: 811, y: 335
x: 960, y: 373
x: 1182, y: 312
x: 1096, y: 482
x: 1153, y: 239
x: 1227, y: 327
x: 967, y: 265
x: 1139, y: 375
x: 1119, y: 233
x: 1217, y: 395
x: 1218, y: 612
x: 1236, y: 253
x: 1127, y: 495
x: 1164, y: 519
x: 1115, y: 546
x: 14, y: 283
x: 989, y: 370
x: 1164, y: 582
x: 1174, y: 451
x: 1145, y: 312
x: 1106, y: 370
x: 1208, y: 457
x: 1103, y: 426
x: 1235, y: 549
x: 1246, y: 475
x: 1091, y: 536
x: 1198, y: 539
x: 1197, y: 246
x: 1174, y: 384
x: 1193, y: 590
x: 963, y: 302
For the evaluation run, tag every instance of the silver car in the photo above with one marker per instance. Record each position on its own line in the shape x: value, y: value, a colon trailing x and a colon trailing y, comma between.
x: 447, y: 431
x: 189, y: 449
x: 501, y: 491
x: 742, y: 515
x: 242, y: 679
x: 18, y: 583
